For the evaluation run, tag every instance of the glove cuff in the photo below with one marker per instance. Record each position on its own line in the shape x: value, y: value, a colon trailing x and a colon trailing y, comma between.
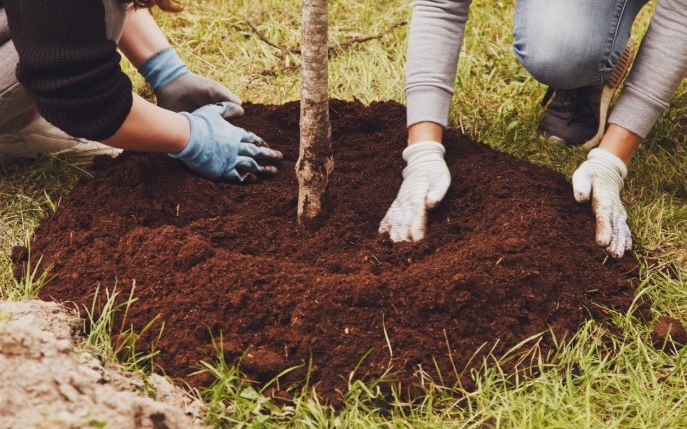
x: 424, y: 147
x: 603, y: 154
x: 162, y: 68
x: 190, y: 150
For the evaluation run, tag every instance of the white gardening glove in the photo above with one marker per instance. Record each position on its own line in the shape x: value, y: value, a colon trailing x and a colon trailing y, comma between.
x: 601, y: 177
x: 425, y: 181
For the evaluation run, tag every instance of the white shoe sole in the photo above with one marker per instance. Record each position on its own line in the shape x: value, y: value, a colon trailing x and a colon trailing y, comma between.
x: 40, y: 138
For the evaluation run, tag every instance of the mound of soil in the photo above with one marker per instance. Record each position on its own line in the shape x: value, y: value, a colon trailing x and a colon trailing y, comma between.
x: 509, y: 254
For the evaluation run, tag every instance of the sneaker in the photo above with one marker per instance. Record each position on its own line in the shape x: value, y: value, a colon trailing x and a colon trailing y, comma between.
x: 577, y: 117
x: 571, y: 116
x: 42, y: 138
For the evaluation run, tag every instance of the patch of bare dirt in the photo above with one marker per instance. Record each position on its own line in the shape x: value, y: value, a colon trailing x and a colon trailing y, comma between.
x: 47, y: 382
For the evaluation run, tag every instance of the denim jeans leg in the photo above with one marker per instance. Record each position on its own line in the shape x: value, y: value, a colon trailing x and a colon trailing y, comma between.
x: 572, y: 43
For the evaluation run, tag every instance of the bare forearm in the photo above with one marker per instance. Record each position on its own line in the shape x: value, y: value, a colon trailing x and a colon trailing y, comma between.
x: 149, y: 128
x: 620, y: 142
x: 142, y: 37
x: 425, y: 131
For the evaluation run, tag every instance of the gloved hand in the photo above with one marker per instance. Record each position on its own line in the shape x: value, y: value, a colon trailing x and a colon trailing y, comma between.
x: 179, y: 90
x: 218, y: 149
x: 601, y: 176
x: 425, y: 181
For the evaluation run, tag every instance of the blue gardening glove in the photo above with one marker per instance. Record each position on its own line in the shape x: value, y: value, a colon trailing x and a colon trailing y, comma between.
x: 425, y: 181
x: 220, y: 150
x: 601, y: 178
x: 179, y: 90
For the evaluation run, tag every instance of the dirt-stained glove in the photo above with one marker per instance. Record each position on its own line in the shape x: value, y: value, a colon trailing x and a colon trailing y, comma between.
x: 425, y: 181
x: 220, y: 150
x: 179, y: 90
x: 601, y: 177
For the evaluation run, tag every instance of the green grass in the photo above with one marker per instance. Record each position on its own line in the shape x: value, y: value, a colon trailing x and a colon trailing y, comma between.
x: 595, y: 380
x: 110, y: 338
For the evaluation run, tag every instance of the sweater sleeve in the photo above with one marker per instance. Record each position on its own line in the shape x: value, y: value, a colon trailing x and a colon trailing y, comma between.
x: 657, y: 71
x: 434, y: 43
x: 69, y: 66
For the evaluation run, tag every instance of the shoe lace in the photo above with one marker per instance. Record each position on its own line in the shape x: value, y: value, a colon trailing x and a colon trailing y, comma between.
x: 568, y: 104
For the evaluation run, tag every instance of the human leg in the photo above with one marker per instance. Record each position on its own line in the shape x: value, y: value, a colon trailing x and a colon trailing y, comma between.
x: 580, y: 50
x: 23, y: 132
x: 15, y: 102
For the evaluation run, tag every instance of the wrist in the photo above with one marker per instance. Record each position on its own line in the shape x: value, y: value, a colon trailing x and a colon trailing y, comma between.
x: 423, y: 149
x: 620, y: 142
x: 162, y: 68
x: 185, y: 143
x: 425, y: 131
x: 607, y: 157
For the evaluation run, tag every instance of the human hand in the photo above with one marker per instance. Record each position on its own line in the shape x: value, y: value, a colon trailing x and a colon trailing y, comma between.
x: 179, y: 90
x: 425, y: 181
x: 601, y: 177
x: 219, y: 150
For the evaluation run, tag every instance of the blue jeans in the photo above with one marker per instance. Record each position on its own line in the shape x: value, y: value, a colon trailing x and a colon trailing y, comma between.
x: 15, y: 102
x: 572, y: 43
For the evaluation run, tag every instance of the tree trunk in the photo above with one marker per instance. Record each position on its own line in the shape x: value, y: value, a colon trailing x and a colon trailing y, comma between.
x: 315, y: 161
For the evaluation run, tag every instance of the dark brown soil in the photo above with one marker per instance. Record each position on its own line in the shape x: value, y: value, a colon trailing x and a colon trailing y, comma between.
x: 668, y: 334
x: 509, y: 254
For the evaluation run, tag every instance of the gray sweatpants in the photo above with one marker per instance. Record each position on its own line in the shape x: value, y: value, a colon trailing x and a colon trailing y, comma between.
x: 14, y: 99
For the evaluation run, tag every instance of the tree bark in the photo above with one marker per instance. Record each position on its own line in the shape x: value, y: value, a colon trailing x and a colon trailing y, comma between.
x: 315, y: 160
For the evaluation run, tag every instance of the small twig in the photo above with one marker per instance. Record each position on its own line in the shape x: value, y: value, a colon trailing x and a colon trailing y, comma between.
x: 362, y: 39
x: 262, y: 37
x: 344, y: 44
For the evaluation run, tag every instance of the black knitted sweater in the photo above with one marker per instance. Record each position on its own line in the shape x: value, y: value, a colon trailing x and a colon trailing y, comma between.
x: 69, y: 66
